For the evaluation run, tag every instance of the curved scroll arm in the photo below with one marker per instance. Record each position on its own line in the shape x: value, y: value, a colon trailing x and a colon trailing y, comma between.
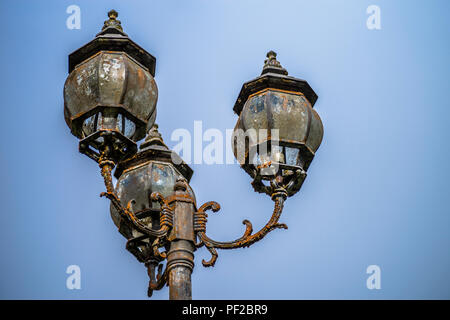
x: 156, y: 282
x: 150, y: 254
x: 126, y: 212
x: 155, y: 248
x: 133, y: 247
x: 248, y: 238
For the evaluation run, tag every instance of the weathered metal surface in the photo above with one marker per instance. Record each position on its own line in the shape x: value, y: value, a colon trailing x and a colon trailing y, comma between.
x: 146, y: 244
x: 262, y: 151
x: 180, y: 263
x: 154, y: 148
x: 118, y: 145
x: 273, y: 76
x: 157, y: 280
x: 110, y: 97
x: 110, y: 94
x: 180, y: 223
x: 153, y: 207
x: 278, y: 191
x: 112, y: 38
x: 113, y: 80
x: 137, y: 184
x: 288, y: 112
x: 150, y: 170
x: 180, y: 258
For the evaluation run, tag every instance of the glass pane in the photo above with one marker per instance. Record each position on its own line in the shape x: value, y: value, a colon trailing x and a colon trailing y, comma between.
x: 130, y: 128
x: 135, y: 185
x: 99, y: 140
x: 291, y: 156
x: 163, y: 181
x: 277, y: 154
x: 291, y: 114
x: 255, y: 160
x: 264, y: 160
x: 99, y: 120
x: 88, y: 126
x: 254, y: 115
x: 109, y: 122
x: 119, y: 122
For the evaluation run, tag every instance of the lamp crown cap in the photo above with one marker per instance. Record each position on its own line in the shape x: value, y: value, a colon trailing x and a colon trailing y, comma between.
x: 153, y: 138
x: 112, y: 21
x: 272, y: 65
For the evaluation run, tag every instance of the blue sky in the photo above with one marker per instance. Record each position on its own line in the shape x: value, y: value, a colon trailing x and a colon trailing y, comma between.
x: 376, y: 193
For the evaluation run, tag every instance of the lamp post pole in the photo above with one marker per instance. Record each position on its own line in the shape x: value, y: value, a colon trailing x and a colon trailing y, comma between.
x: 180, y: 258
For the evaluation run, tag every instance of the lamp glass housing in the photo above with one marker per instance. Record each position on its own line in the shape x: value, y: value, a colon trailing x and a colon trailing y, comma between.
x: 155, y: 168
x: 287, y: 132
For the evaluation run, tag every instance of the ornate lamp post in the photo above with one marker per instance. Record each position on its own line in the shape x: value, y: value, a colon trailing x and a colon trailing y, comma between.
x: 110, y: 101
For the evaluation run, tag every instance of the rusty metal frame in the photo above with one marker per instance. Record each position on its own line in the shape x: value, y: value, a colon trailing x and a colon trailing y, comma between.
x: 167, y: 233
x: 278, y: 192
x: 152, y: 258
x: 78, y: 119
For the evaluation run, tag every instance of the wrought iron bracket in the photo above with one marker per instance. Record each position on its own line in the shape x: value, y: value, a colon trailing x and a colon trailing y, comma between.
x: 150, y: 255
x: 278, y: 192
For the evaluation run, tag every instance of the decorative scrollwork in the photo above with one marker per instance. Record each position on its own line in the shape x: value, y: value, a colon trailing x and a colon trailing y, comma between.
x: 167, y: 212
x: 158, y: 281
x: 211, y: 262
x: 155, y: 247
x: 288, y: 184
x: 278, y: 193
x: 133, y: 246
x: 148, y: 253
x: 166, y: 218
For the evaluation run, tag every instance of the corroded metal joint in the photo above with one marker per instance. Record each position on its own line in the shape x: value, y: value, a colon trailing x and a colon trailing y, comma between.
x: 180, y: 263
x: 105, y: 162
x: 200, y: 219
x: 166, y: 218
x: 180, y: 258
x: 279, y: 192
x: 106, y: 165
x: 156, y: 281
x: 180, y: 185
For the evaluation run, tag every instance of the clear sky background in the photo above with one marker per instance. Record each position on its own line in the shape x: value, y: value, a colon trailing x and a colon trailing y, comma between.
x: 376, y: 193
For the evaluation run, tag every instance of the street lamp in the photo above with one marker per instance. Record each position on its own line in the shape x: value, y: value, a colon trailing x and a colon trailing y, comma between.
x: 278, y: 131
x: 110, y: 101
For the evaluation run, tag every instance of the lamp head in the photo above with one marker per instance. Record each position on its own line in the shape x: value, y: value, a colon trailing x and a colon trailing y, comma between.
x: 278, y: 131
x: 155, y: 168
x: 110, y: 94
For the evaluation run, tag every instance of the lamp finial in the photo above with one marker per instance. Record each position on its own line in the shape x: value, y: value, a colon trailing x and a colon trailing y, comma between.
x: 112, y: 21
x: 272, y: 65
